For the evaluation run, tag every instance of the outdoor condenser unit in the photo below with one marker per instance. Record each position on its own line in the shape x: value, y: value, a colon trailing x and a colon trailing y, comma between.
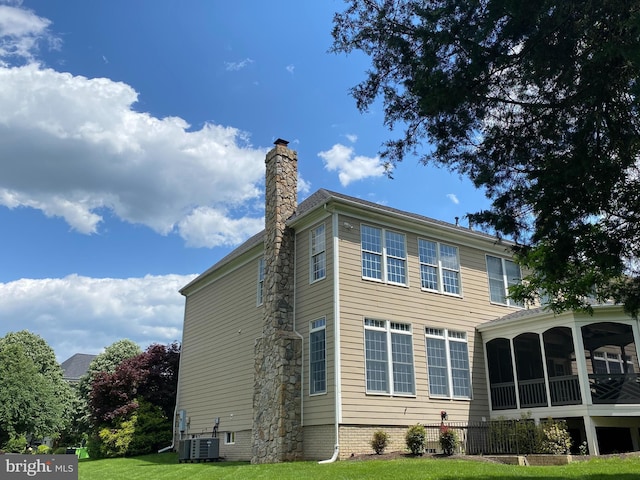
x: 184, y: 450
x: 205, y: 449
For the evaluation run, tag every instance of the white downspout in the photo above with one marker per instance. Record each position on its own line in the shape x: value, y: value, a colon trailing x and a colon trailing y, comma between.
x: 336, y: 338
x: 175, y: 409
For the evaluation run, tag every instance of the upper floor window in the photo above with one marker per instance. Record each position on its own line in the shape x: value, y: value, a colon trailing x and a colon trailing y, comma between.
x: 502, y: 274
x: 318, y: 254
x: 317, y: 357
x: 608, y: 363
x: 260, y: 288
x: 439, y: 267
x: 384, y: 255
x: 389, y: 357
x: 448, y: 363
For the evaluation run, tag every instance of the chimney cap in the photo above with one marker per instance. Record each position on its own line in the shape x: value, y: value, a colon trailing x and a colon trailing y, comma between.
x: 282, y: 142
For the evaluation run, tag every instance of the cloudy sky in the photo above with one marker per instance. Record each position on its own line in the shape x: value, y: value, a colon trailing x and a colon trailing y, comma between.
x: 132, y: 143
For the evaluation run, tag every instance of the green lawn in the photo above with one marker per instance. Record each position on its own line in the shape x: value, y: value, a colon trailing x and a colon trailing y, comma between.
x: 166, y: 467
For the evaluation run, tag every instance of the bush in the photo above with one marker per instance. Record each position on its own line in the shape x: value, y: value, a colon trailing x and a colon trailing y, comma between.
x: 379, y: 441
x: 16, y: 445
x: 152, y: 430
x: 115, y: 441
x: 448, y: 440
x: 555, y: 438
x: 416, y: 438
x: 43, y: 450
x: 60, y: 451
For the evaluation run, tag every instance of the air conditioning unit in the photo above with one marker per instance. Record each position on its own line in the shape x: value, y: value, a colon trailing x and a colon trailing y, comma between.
x: 184, y: 450
x: 205, y: 449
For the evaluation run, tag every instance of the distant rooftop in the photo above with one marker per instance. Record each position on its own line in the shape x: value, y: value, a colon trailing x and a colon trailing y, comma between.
x: 76, y: 366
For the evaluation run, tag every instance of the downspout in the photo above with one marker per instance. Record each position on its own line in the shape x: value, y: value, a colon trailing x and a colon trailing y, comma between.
x: 175, y: 409
x: 295, y: 283
x: 336, y: 335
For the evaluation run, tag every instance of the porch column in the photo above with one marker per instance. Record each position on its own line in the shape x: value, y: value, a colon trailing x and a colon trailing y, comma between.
x: 544, y: 368
x: 581, y: 364
x: 516, y: 380
x: 592, y: 438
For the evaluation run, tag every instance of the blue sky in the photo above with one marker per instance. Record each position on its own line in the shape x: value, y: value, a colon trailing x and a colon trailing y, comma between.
x: 132, y: 143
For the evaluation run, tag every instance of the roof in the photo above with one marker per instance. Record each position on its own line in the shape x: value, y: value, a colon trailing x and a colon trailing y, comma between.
x: 76, y: 366
x: 323, y: 197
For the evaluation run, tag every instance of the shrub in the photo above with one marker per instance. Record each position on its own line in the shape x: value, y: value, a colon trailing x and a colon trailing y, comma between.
x: 416, y: 438
x: 379, y: 441
x: 60, y: 450
x: 448, y: 440
x: 16, y: 445
x: 152, y: 430
x: 43, y: 450
x: 115, y: 441
x: 555, y: 438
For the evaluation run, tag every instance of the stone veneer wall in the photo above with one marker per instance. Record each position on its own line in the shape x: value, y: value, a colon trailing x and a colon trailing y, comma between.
x: 277, y: 411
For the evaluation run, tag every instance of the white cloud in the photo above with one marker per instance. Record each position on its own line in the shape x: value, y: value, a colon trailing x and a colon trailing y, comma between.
x: 290, y: 68
x: 66, y: 311
x: 235, y: 66
x: 77, y: 146
x: 351, y: 137
x: 350, y: 167
x: 20, y: 32
x: 453, y: 197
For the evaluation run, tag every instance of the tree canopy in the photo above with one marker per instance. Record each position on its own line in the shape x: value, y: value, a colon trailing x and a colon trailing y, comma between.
x: 34, y: 398
x: 537, y: 103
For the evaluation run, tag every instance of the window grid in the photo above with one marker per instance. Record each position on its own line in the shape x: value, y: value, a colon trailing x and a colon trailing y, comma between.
x: 383, y: 256
x: 502, y: 274
x: 260, y: 287
x: 448, y: 363
x: 317, y: 357
x: 439, y: 267
x: 318, y: 253
x: 389, y: 353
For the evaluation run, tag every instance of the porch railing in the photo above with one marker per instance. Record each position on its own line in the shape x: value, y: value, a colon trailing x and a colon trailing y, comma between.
x: 532, y: 393
x: 614, y: 388
x: 565, y: 390
x: 503, y: 395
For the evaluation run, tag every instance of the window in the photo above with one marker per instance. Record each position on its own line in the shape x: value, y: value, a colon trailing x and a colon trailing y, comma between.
x: 318, y: 254
x: 317, y: 357
x: 439, y: 267
x: 502, y: 275
x: 229, y: 438
x: 448, y: 363
x: 388, y: 357
x: 608, y: 363
x: 260, y: 290
x: 384, y: 255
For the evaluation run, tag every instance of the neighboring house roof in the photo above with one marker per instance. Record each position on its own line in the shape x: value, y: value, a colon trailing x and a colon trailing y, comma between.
x: 324, y: 197
x: 76, y: 366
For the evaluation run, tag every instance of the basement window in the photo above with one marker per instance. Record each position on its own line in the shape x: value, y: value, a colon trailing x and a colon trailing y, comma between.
x: 230, y: 438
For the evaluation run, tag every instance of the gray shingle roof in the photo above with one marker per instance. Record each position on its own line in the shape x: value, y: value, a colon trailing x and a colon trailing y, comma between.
x: 76, y: 366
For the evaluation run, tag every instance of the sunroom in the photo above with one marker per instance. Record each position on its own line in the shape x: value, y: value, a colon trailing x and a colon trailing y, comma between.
x: 573, y: 366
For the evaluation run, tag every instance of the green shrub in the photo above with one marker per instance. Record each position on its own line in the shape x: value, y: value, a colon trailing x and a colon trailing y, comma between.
x: 60, y: 450
x: 416, y: 438
x: 16, y: 445
x: 379, y: 441
x: 94, y: 447
x: 43, y: 450
x: 448, y: 440
x: 115, y: 441
x: 555, y: 438
x: 152, y: 430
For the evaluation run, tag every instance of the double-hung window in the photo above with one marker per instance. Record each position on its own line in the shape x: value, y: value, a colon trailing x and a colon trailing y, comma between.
x: 502, y: 274
x: 384, y: 255
x: 439, y: 267
x: 389, y: 357
x: 318, y: 254
x: 260, y: 287
x: 448, y: 363
x: 317, y: 357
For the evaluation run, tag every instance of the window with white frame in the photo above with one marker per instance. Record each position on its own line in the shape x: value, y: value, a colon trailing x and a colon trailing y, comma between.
x: 318, y: 357
x: 502, y: 274
x: 384, y: 255
x: 439, y: 267
x: 318, y: 253
x: 608, y: 363
x: 448, y: 363
x: 229, y: 438
x: 389, y: 357
x: 260, y: 287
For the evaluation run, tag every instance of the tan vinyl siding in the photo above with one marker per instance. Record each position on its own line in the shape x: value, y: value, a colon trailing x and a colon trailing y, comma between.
x: 361, y: 298
x: 315, y: 301
x: 221, y: 324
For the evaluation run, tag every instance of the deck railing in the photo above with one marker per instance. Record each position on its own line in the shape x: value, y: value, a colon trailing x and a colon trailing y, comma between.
x: 614, y: 388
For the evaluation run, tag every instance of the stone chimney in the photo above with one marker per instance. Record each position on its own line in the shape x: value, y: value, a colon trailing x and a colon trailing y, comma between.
x: 277, y: 411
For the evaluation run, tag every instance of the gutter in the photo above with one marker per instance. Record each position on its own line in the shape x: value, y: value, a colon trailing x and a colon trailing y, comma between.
x: 336, y: 339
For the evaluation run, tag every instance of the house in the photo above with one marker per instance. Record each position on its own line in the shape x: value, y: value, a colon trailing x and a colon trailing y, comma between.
x: 74, y: 367
x: 344, y: 317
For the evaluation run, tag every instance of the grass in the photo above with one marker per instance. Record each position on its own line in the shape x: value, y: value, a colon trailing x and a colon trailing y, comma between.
x: 166, y: 467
